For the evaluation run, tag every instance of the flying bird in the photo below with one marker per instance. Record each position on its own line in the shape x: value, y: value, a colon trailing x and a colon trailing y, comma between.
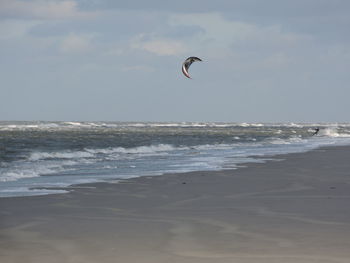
x: 186, y: 65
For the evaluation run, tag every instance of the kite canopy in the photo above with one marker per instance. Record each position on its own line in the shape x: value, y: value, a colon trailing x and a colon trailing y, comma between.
x: 186, y: 65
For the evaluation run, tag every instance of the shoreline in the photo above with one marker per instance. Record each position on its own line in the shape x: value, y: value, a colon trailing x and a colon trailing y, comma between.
x: 255, y: 159
x: 289, y: 210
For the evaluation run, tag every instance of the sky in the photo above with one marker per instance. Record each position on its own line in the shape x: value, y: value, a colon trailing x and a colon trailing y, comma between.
x: 111, y: 60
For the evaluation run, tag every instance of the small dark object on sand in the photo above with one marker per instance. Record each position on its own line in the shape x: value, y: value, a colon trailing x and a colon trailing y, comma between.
x: 183, y: 182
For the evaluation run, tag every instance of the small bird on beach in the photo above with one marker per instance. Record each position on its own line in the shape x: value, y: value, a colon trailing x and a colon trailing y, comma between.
x: 186, y: 65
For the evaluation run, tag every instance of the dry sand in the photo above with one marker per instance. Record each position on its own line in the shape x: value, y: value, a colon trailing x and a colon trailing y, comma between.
x: 294, y: 209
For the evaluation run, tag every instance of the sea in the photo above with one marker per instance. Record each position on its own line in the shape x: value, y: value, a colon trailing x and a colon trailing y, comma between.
x: 40, y: 158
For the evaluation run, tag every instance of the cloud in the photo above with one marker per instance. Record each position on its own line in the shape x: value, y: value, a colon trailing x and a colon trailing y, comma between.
x: 74, y: 43
x: 41, y: 9
x: 242, y: 45
x: 222, y: 32
x: 11, y: 29
x: 159, y: 46
x: 267, y: 8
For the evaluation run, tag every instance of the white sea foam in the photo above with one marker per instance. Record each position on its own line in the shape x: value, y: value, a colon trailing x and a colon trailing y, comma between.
x: 279, y: 141
x: 222, y: 146
x: 36, y: 156
x: 72, y: 123
x: 88, y: 164
x: 90, y: 155
x: 28, y: 126
x: 278, y: 132
x: 244, y: 124
x: 135, y: 150
x: 36, y: 168
x: 15, y: 175
x: 69, y: 125
x: 27, y: 172
x: 333, y: 132
x: 297, y: 125
x: 291, y: 140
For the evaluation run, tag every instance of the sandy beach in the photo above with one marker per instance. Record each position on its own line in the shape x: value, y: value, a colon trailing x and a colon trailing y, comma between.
x: 292, y: 209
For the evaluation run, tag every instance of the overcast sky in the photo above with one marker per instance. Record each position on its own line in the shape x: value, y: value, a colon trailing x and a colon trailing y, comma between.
x: 263, y: 60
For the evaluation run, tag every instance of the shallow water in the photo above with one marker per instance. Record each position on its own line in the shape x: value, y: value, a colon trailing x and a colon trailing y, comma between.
x: 34, y: 155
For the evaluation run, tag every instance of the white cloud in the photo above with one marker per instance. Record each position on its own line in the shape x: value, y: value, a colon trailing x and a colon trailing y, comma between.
x: 159, y: 46
x: 41, y: 9
x: 10, y: 29
x: 76, y: 44
x: 222, y: 33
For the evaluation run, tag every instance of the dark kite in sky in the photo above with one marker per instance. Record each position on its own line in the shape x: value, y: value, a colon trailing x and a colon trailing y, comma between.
x: 186, y: 65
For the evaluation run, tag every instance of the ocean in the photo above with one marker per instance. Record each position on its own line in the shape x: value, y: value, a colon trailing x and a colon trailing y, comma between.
x: 39, y: 158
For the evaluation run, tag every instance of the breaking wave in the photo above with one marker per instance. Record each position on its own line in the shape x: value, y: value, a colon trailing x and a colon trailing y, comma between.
x: 92, y: 151
x: 333, y: 132
x: 89, y: 153
x: 36, y: 156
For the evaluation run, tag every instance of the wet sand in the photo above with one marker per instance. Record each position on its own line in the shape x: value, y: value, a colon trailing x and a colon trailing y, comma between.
x: 294, y: 209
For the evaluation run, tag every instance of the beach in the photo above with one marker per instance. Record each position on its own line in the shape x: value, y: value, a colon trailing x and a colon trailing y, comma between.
x: 293, y: 208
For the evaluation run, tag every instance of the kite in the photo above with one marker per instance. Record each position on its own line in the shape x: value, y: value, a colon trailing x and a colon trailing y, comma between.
x: 186, y: 65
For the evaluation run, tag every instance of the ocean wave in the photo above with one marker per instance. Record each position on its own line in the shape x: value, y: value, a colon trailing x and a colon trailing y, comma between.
x: 91, y: 153
x: 281, y: 141
x: 244, y: 124
x: 75, y: 125
x: 16, y: 173
x: 176, y: 151
x: 29, y: 126
x: 147, y: 149
x: 87, y: 155
x: 221, y: 146
x: 36, y: 156
x: 333, y: 132
x: 297, y: 125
